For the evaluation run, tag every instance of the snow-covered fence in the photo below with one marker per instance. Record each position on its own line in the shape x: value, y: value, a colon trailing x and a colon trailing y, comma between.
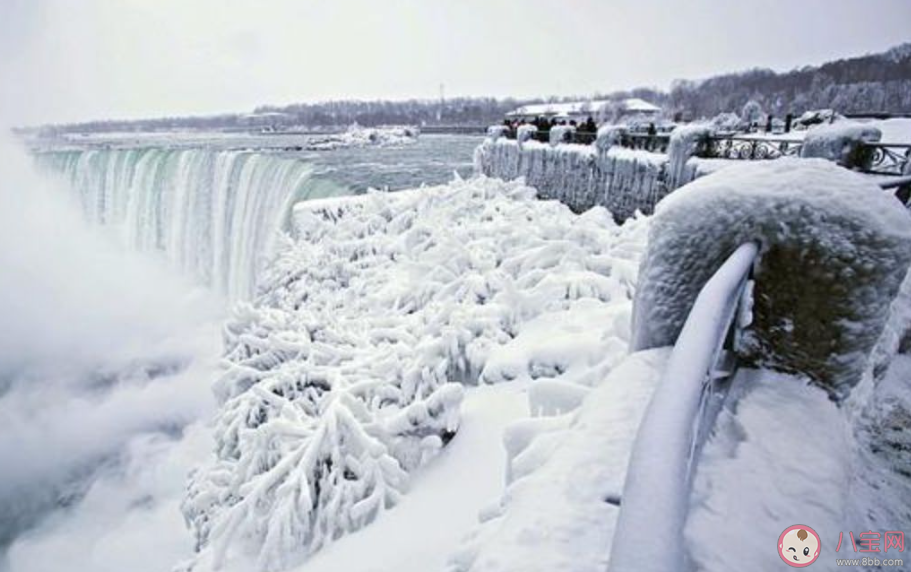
x: 649, y: 532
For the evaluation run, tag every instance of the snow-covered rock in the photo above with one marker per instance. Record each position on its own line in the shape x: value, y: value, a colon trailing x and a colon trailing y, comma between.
x: 834, y: 250
x: 840, y: 142
x: 347, y: 373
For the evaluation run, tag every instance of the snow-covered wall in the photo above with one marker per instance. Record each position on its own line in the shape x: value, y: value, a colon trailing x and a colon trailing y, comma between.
x: 604, y: 174
x: 835, y: 249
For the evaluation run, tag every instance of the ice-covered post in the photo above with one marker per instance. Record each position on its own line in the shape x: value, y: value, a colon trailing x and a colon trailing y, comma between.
x: 685, y: 142
x: 828, y: 235
x: 843, y: 142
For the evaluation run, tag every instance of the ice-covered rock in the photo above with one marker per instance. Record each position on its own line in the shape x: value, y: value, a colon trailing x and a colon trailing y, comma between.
x: 841, y: 142
x: 834, y: 250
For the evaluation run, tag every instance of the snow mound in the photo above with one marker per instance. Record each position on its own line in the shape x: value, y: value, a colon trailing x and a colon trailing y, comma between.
x: 357, y: 136
x: 555, y: 514
x: 782, y: 457
x: 346, y: 375
x: 840, y: 142
x: 835, y: 249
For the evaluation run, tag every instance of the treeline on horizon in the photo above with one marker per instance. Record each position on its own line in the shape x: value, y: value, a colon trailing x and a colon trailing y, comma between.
x: 875, y: 83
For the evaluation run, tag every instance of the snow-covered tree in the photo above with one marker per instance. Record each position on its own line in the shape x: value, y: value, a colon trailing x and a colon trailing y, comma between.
x: 752, y: 112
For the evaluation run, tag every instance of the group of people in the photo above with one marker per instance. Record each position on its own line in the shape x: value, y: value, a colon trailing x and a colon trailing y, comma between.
x: 585, y: 132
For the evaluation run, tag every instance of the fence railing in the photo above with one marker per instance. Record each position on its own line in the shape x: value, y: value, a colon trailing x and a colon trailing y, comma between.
x: 875, y: 158
x: 649, y: 532
x: 657, y: 143
x: 749, y: 148
x: 886, y: 158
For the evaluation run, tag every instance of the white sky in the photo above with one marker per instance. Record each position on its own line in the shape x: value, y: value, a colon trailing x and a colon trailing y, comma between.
x: 65, y: 60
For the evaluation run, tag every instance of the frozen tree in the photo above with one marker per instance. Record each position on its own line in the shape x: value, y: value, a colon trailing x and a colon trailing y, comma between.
x: 752, y: 112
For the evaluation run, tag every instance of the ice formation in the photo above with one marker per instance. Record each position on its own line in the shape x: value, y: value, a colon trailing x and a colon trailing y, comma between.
x: 357, y: 136
x: 826, y: 234
x: 685, y: 141
x: 561, y: 134
x: 347, y: 373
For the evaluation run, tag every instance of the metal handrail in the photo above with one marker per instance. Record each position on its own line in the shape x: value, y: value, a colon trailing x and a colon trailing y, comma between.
x: 896, y: 182
x: 649, y: 532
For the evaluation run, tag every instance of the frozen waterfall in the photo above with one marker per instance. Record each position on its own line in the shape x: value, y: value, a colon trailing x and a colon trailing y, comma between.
x: 212, y: 213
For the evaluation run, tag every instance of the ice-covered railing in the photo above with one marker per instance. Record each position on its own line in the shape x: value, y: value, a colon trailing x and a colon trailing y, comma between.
x: 606, y: 173
x: 649, y: 533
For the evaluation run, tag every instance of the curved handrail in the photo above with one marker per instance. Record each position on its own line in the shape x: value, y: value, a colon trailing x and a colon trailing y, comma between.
x: 649, y: 531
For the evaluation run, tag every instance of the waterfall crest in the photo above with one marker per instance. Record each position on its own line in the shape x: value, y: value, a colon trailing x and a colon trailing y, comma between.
x: 213, y: 214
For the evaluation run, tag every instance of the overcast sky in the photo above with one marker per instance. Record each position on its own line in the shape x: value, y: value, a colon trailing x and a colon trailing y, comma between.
x: 65, y: 60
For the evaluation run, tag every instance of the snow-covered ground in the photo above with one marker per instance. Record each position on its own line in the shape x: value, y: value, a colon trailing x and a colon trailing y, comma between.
x: 446, y: 495
x: 347, y: 375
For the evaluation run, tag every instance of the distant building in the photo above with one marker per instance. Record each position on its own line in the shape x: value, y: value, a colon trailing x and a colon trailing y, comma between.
x: 582, y: 110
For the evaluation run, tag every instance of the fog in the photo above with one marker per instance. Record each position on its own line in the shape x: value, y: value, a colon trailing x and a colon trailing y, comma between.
x: 101, y: 348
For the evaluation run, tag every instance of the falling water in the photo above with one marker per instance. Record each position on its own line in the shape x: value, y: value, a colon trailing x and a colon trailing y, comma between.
x: 212, y: 213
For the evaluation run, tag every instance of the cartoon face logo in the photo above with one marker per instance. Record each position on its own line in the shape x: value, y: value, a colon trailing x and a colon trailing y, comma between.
x: 798, y: 546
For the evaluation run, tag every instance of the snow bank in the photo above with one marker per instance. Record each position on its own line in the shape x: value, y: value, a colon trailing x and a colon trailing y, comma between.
x: 840, y: 142
x: 835, y: 249
x: 895, y: 130
x: 622, y: 180
x: 783, y: 456
x: 344, y: 376
x: 554, y: 514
